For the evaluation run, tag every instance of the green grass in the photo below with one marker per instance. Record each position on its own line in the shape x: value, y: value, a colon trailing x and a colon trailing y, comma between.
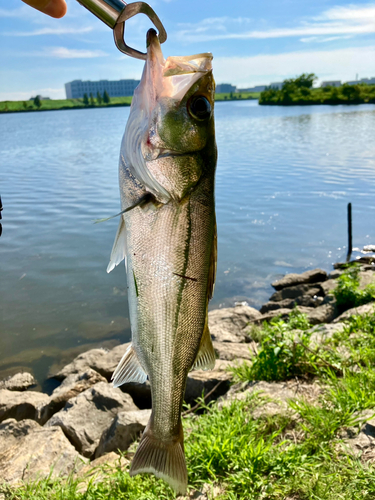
x: 348, y: 294
x: 296, y: 455
x: 55, y: 104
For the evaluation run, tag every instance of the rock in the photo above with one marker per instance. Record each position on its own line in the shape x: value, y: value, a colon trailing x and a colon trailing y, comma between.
x: 123, y: 431
x: 283, y: 313
x: 322, y: 333
x: 85, y: 417
x: 365, y: 278
x: 29, y: 451
x: 368, y: 248
x: 73, y: 385
x: 304, y: 300
x: 97, y: 470
x: 229, y: 324
x: 230, y: 351
x: 81, y: 363
x: 357, y: 311
x: 327, y: 286
x: 322, y: 314
x: 18, y: 382
x: 335, y: 274
x: 362, y: 444
x: 277, y: 393
x: 201, y: 382
x: 21, y: 405
x: 293, y: 292
x: 107, y: 364
x: 293, y: 279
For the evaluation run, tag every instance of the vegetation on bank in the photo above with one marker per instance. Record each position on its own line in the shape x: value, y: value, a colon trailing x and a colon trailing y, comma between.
x: 240, y: 452
x: 300, y: 91
x: 95, y: 102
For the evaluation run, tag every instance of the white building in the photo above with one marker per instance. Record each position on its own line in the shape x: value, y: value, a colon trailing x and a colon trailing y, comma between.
x: 257, y: 88
x: 222, y: 88
x: 115, y: 88
x: 368, y: 81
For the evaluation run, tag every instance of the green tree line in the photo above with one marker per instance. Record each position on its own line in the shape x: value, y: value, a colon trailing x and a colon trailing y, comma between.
x: 300, y: 91
x: 89, y: 100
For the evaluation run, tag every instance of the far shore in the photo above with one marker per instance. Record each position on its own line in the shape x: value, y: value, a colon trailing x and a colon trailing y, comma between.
x: 63, y: 104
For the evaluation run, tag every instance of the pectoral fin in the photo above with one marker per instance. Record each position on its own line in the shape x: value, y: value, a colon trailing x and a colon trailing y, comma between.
x: 129, y: 369
x: 118, y: 253
x: 206, y: 356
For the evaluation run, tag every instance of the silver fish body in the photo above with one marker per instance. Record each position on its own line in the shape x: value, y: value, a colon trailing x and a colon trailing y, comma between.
x: 168, y: 159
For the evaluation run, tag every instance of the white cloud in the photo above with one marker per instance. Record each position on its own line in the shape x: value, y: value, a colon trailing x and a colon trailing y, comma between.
x: 51, y: 31
x: 25, y: 95
x: 263, y: 69
x: 65, y: 53
x: 351, y: 20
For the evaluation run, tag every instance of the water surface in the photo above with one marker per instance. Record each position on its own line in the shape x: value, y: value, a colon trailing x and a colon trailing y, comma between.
x: 284, y: 178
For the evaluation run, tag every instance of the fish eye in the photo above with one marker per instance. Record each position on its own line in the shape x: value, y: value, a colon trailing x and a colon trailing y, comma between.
x: 200, y: 108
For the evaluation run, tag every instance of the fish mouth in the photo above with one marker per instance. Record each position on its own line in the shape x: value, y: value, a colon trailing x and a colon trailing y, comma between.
x: 157, y: 154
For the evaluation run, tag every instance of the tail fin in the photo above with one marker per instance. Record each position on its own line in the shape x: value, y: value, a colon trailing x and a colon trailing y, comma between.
x: 165, y: 459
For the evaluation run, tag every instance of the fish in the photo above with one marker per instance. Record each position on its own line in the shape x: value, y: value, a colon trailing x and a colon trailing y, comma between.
x: 168, y: 239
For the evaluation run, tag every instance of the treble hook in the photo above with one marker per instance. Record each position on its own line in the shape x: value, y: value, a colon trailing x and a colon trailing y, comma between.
x: 114, y: 13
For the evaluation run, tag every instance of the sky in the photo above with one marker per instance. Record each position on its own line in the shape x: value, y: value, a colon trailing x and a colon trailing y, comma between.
x: 253, y: 42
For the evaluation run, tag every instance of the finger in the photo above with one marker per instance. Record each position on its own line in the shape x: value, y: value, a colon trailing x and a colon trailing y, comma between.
x: 54, y: 8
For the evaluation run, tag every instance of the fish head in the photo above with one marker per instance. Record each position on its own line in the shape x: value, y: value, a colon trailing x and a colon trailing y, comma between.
x: 170, y: 131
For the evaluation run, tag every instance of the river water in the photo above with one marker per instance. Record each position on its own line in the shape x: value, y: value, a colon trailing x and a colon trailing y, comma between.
x: 284, y: 178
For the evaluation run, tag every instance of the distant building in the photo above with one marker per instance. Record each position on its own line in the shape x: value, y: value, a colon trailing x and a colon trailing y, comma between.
x: 222, y: 88
x: 276, y: 85
x: 257, y: 88
x: 115, y: 88
x: 332, y: 83
x: 41, y: 98
x: 368, y: 81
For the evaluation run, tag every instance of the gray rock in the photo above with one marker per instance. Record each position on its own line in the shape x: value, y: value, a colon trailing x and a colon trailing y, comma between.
x: 73, y: 385
x: 304, y: 300
x: 313, y: 276
x: 335, y: 274
x: 366, y: 278
x: 21, y: 405
x: 327, y: 286
x: 85, y: 417
x: 229, y: 324
x: 81, y: 363
x: 29, y: 451
x: 356, y: 311
x: 362, y: 444
x: 292, y: 292
x: 283, y: 313
x: 230, y: 351
x: 322, y: 333
x: 125, y: 428
x: 322, y: 314
x: 18, y: 382
x: 106, y: 364
x: 201, y: 382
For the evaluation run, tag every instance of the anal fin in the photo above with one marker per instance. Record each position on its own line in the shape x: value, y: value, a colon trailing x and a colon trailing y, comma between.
x: 129, y: 369
x: 206, y: 356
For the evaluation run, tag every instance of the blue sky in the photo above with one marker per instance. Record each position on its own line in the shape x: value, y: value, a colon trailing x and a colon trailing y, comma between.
x: 253, y: 42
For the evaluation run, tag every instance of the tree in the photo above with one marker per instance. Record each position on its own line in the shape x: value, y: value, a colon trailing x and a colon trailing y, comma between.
x: 106, y: 97
x: 37, y: 101
x: 85, y: 100
x: 92, y: 100
x: 99, y: 97
x: 351, y: 92
x: 24, y: 104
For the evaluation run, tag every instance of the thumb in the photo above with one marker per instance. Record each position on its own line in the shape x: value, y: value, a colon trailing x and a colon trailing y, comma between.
x: 54, y: 8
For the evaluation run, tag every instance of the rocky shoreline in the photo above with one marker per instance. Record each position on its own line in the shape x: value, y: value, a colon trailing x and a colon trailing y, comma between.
x: 85, y: 421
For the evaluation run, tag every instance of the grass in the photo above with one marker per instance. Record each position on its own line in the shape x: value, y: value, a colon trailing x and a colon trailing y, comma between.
x: 56, y: 104
x: 295, y: 455
x: 348, y: 292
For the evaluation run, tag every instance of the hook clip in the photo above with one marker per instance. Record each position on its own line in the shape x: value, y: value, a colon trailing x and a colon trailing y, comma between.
x: 114, y: 13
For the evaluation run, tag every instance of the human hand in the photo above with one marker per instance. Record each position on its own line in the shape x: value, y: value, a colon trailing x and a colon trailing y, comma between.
x: 54, y: 8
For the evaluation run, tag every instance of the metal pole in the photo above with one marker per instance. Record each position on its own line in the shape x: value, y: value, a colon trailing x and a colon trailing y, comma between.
x: 350, y: 233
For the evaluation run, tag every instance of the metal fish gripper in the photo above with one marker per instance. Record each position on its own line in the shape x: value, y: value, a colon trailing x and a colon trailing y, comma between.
x: 114, y: 13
